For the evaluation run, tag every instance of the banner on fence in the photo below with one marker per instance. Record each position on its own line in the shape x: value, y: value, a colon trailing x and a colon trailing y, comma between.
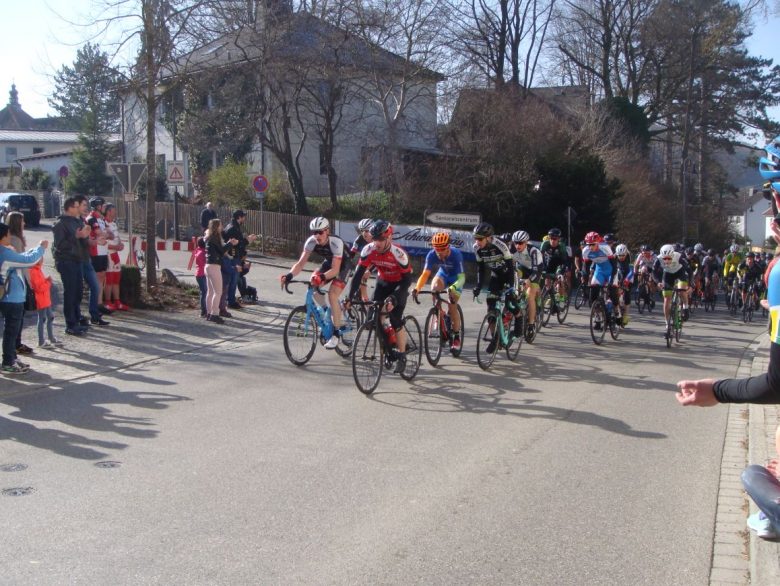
x: 415, y: 240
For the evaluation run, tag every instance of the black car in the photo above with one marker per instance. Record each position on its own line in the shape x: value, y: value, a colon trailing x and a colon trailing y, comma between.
x: 20, y: 202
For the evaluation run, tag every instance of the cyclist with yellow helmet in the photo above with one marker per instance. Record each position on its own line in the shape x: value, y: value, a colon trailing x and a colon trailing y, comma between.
x: 450, y: 275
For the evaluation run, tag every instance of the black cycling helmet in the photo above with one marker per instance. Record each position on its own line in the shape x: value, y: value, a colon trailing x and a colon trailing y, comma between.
x: 483, y: 229
x: 379, y: 227
x: 96, y: 202
x: 711, y: 252
x: 645, y: 248
x: 609, y: 238
x: 751, y: 255
x: 689, y: 251
x: 554, y: 233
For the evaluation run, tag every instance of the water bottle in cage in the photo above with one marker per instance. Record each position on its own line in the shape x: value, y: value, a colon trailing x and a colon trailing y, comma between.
x: 389, y: 331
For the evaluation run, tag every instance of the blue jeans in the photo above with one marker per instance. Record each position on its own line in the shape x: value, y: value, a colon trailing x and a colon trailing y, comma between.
x: 764, y: 489
x: 233, y: 284
x: 94, y: 288
x: 13, y: 314
x: 45, y: 317
x: 203, y: 286
x: 72, y: 276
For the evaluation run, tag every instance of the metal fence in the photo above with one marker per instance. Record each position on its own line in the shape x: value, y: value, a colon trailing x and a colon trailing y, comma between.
x: 279, y: 233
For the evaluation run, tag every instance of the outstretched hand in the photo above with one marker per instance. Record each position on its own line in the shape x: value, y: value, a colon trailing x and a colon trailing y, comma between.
x: 698, y: 393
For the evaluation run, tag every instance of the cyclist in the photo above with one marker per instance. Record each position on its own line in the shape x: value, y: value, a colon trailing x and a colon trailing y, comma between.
x: 600, y: 255
x: 394, y: 275
x: 673, y: 267
x: 334, y: 268
x: 528, y: 264
x: 695, y: 263
x: 492, y: 254
x: 364, y: 237
x: 730, y: 263
x: 749, y: 272
x: 450, y: 275
x: 556, y: 260
x: 625, y: 278
x: 710, y: 267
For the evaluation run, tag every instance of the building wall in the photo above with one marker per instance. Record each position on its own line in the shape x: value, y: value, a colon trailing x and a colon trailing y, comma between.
x: 26, y: 148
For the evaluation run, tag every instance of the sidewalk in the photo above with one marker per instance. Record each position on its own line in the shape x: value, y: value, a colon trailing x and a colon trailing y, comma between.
x: 739, y: 557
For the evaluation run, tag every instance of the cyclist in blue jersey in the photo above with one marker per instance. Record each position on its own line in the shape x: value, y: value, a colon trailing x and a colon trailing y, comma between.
x: 601, y: 256
x: 450, y: 275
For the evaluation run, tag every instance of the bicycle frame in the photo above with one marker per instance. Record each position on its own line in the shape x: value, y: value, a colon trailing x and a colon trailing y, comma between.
x: 323, y: 318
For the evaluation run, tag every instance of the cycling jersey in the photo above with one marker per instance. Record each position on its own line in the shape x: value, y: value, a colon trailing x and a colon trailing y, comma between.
x: 625, y: 269
x: 528, y: 262
x: 391, y: 265
x: 495, y: 256
x: 731, y: 262
x: 647, y: 262
x: 357, y: 246
x: 333, y: 248
x: 749, y: 273
x: 603, y: 260
x: 450, y: 269
x: 710, y: 266
x: 554, y: 256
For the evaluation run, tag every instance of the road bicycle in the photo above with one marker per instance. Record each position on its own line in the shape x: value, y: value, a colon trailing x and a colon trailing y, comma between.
x: 554, y: 299
x: 733, y: 298
x: 374, y: 351
x: 523, y: 301
x: 497, y: 329
x: 643, y: 297
x: 311, y: 322
x: 140, y: 255
x: 750, y: 304
x: 710, y: 294
x: 675, y: 324
x: 582, y: 294
x: 438, y: 327
x: 604, y: 316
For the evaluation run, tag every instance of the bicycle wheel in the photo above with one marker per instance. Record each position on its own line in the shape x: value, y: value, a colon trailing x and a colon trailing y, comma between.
x: 614, y: 326
x: 457, y: 352
x: 598, y: 321
x: 678, y: 322
x: 350, y: 325
x: 300, y: 336
x: 140, y: 259
x: 733, y: 302
x: 563, y: 309
x: 579, y: 298
x: 413, y: 348
x: 367, y: 358
x: 485, y: 338
x: 547, y: 306
x: 433, y: 340
x: 515, y: 342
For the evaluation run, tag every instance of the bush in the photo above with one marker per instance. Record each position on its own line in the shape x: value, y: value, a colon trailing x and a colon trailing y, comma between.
x: 229, y: 185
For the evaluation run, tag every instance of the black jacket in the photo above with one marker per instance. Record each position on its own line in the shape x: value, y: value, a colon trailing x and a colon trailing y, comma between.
x: 206, y: 216
x: 216, y: 251
x: 233, y: 230
x: 68, y: 246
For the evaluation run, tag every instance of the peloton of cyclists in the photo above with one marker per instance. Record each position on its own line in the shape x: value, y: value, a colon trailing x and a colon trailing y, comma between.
x: 335, y: 268
x: 450, y: 275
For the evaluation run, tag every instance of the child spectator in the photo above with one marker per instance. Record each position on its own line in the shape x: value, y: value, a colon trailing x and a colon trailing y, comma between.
x: 114, y: 271
x: 41, y: 286
x: 200, y: 274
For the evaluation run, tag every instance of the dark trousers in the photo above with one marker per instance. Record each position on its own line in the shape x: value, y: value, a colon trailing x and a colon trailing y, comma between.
x: 73, y: 289
x: 94, y: 289
x: 13, y: 314
x: 232, y: 283
x: 203, y: 286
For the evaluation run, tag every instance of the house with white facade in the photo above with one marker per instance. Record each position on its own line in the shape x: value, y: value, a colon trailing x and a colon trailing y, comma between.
x: 363, y: 136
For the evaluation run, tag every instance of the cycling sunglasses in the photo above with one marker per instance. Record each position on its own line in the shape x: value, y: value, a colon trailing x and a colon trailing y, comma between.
x: 318, y: 232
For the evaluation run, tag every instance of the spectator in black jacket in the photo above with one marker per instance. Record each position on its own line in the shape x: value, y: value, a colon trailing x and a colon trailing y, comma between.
x: 233, y: 266
x: 206, y: 216
x: 69, y: 233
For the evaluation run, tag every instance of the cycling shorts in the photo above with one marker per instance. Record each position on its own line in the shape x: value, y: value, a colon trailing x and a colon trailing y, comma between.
x: 448, y: 280
x: 670, y: 279
x: 602, y: 274
x: 400, y: 291
x: 341, y: 278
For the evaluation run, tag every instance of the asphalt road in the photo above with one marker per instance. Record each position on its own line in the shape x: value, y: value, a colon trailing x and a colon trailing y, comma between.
x: 574, y: 465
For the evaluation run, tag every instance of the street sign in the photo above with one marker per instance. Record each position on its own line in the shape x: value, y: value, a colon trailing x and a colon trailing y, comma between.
x: 137, y: 171
x: 453, y: 218
x: 120, y: 171
x: 130, y: 196
x: 63, y: 171
x: 176, y: 172
x: 260, y: 183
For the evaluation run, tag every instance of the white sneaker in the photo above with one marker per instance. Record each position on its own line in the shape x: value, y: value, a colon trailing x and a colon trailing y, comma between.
x: 56, y: 342
x: 759, y: 523
x: 332, y: 343
x: 45, y: 345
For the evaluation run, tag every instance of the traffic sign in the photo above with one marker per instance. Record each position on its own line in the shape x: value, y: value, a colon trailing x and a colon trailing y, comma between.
x: 176, y: 172
x: 130, y: 196
x: 137, y: 171
x: 121, y: 172
x: 453, y: 218
x: 63, y: 171
x: 260, y: 183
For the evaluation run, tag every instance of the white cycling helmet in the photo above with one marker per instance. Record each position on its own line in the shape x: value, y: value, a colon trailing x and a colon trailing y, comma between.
x: 666, y: 250
x: 365, y: 224
x: 699, y: 247
x: 734, y: 249
x: 621, y: 249
x: 520, y: 236
x: 319, y: 223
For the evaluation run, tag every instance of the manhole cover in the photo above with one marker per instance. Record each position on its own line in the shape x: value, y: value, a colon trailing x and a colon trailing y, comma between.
x: 108, y: 464
x: 13, y: 467
x: 18, y: 491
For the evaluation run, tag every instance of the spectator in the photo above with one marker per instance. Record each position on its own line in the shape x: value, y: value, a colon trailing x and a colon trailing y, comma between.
x: 113, y: 274
x: 216, y: 250
x: 206, y: 216
x: 200, y: 274
x: 233, y: 230
x: 15, y: 221
x: 42, y: 286
x: 98, y: 248
x: 69, y: 232
x: 89, y: 272
x: 12, y: 304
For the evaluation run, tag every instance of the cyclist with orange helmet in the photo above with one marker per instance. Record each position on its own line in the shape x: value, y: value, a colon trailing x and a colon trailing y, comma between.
x: 450, y: 275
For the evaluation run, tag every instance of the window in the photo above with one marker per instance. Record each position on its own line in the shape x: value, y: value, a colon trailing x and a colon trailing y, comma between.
x: 38, y: 150
x: 10, y: 154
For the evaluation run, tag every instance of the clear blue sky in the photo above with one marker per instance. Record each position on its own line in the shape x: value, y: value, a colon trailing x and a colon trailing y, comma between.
x: 37, y: 40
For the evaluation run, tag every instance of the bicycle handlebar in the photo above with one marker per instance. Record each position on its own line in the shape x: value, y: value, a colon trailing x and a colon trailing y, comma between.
x: 287, y: 286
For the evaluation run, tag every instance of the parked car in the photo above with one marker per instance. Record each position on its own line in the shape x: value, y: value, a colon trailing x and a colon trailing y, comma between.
x: 20, y: 202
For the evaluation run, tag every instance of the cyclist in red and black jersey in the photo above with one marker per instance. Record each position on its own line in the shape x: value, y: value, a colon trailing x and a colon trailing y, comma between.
x: 394, y: 276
